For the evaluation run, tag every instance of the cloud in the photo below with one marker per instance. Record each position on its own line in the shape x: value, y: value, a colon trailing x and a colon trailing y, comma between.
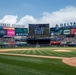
x: 65, y: 15
x: 9, y: 19
x: 28, y: 19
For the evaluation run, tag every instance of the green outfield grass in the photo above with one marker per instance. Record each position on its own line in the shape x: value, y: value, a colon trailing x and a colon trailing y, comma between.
x: 20, y: 65
x: 47, y: 52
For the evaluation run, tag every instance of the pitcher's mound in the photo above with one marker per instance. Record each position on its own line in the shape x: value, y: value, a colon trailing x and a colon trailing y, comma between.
x: 63, y: 50
x: 70, y: 61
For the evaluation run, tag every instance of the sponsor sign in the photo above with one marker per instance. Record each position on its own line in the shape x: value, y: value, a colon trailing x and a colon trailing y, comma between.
x: 3, y: 32
x: 73, y: 31
x: 6, y: 28
x: 66, y: 32
x: 1, y: 27
x: 10, y: 32
x: 21, y: 31
x: 56, y: 31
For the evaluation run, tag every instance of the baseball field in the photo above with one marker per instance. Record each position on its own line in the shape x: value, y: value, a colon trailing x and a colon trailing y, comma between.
x: 38, y: 61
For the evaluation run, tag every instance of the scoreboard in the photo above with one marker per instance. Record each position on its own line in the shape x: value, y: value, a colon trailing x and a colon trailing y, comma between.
x: 39, y: 30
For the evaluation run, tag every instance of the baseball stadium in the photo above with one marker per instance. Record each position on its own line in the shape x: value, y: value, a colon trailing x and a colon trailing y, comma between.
x: 38, y: 49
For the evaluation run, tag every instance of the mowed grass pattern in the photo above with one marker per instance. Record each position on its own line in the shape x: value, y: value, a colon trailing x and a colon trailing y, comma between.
x: 47, y: 52
x: 21, y: 65
x: 17, y: 65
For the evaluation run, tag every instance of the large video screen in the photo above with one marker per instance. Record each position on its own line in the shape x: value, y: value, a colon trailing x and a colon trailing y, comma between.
x: 3, y: 32
x: 56, y: 31
x: 21, y: 31
x: 73, y: 31
x: 38, y: 30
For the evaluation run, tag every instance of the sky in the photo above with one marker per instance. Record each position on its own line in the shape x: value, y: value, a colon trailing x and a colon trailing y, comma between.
x: 37, y: 11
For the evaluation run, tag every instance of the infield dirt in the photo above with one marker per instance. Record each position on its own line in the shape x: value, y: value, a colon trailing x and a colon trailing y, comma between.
x: 69, y: 61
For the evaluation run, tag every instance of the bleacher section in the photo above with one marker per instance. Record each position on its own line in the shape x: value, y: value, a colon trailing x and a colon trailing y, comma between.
x: 20, y: 37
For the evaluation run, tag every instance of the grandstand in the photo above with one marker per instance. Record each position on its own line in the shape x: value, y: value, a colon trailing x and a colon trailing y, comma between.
x: 12, y: 35
x: 15, y: 36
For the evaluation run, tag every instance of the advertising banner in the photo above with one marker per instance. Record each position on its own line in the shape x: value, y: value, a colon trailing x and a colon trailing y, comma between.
x: 73, y: 31
x: 6, y: 28
x: 55, y: 43
x: 66, y: 32
x: 1, y: 27
x: 3, y: 32
x: 21, y: 31
x: 12, y: 43
x: 10, y: 32
x: 56, y: 31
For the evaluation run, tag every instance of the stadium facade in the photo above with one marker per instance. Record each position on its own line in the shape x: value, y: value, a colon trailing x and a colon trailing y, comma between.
x: 18, y: 35
x: 12, y: 25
